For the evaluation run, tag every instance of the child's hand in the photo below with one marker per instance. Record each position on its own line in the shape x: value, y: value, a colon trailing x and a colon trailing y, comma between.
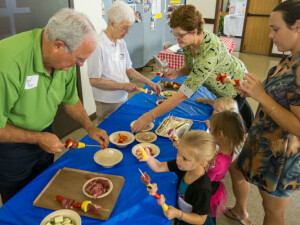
x: 207, y: 123
x: 176, y: 143
x: 201, y: 100
x: 172, y: 213
x: 162, y: 200
x: 139, y: 155
x: 153, y: 190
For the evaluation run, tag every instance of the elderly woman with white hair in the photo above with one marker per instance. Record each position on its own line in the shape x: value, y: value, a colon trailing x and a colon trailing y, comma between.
x: 110, y: 67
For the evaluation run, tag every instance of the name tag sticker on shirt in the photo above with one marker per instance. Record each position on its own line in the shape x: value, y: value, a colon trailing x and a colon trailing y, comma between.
x: 122, y: 56
x: 31, y: 81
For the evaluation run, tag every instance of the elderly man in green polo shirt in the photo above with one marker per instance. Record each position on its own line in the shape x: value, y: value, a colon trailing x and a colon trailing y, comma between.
x: 37, y: 73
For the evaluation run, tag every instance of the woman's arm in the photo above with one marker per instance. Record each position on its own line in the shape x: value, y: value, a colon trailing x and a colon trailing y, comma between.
x: 161, y: 109
x: 132, y: 73
x: 112, y: 85
x: 173, y: 74
x: 287, y: 120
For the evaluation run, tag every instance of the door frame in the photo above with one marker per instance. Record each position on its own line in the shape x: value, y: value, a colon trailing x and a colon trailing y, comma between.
x: 244, y: 26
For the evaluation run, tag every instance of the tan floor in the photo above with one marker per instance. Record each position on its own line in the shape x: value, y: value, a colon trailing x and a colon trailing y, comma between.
x: 258, y: 65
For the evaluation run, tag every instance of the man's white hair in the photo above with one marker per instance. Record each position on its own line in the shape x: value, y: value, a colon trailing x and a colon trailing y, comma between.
x: 120, y: 11
x: 69, y: 26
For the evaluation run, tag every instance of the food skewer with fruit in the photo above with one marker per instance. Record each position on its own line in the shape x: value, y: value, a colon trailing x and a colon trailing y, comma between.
x: 71, y: 144
x: 172, y: 135
x: 226, y: 79
x: 145, y: 178
x: 85, y: 206
x: 172, y: 84
x: 145, y: 91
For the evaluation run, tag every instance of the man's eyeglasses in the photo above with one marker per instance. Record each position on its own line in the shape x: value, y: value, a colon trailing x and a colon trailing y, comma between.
x: 79, y: 61
x: 180, y: 36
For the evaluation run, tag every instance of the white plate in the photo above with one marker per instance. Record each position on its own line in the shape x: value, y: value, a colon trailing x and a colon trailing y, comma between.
x: 168, y: 94
x: 114, y: 137
x: 100, y: 196
x: 151, y: 125
x: 108, y: 157
x: 155, y: 148
x: 145, y: 136
x: 74, y: 216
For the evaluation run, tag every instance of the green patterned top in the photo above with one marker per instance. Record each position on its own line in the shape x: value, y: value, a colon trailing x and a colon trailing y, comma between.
x: 212, y: 58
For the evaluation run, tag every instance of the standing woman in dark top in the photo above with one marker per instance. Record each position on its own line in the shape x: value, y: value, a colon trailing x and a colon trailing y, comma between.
x: 270, y: 158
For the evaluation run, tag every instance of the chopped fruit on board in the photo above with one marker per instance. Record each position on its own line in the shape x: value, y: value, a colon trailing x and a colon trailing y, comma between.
x: 85, y: 206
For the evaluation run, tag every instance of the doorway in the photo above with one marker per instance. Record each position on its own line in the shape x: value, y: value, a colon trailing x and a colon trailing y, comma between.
x: 255, y: 37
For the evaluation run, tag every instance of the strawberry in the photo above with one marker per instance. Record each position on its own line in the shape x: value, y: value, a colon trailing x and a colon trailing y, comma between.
x: 69, y: 143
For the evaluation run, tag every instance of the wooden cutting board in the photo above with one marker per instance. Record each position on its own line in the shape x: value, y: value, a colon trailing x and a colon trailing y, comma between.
x: 68, y: 183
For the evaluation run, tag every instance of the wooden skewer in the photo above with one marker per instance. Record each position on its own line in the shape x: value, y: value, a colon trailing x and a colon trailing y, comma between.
x: 141, y: 172
x: 94, y: 145
x: 149, y: 185
x: 202, y: 121
x: 107, y: 210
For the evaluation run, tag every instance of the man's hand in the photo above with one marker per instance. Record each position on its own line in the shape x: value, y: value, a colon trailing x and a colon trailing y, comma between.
x: 98, y: 135
x: 50, y: 143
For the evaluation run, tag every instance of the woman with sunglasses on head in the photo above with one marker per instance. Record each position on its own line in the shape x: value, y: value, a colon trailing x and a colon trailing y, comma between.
x: 205, y: 56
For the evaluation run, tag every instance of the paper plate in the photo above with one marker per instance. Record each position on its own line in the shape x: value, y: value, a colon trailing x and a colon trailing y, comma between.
x: 155, y: 148
x: 146, y: 136
x: 74, y: 216
x: 168, y: 94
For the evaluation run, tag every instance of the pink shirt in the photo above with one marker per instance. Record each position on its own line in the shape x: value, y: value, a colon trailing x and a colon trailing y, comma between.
x: 222, y: 163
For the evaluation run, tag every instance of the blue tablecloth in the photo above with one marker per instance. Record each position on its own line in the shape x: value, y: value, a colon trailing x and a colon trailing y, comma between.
x: 134, y: 205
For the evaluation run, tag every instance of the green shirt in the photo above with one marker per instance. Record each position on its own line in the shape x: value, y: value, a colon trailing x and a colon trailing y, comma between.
x: 212, y: 58
x: 29, y: 96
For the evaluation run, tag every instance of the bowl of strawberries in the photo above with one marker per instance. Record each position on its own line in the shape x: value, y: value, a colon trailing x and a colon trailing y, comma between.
x: 121, y: 138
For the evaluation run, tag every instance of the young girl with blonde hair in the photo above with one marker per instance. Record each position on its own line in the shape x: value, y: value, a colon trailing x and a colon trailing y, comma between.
x: 195, y: 150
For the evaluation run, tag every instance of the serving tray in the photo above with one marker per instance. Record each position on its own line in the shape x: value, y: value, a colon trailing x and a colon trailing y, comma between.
x: 68, y: 183
x: 181, y: 126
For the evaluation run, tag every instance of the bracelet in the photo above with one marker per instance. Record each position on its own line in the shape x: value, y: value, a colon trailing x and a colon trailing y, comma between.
x: 153, y: 116
x: 181, y: 215
x: 273, y: 108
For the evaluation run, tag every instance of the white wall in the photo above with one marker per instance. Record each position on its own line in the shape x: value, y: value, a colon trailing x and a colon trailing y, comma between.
x: 92, y: 8
x: 207, y: 9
